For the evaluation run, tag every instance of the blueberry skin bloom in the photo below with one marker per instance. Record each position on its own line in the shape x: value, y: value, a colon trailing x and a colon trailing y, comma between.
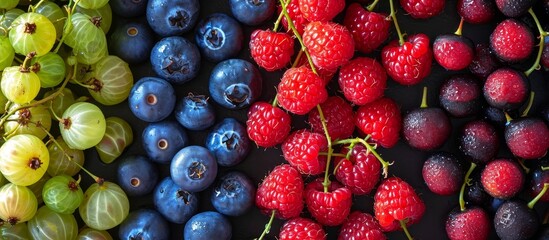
x: 235, y: 83
x: 229, y: 142
x: 138, y: 225
x: 194, y: 112
x: 132, y: 42
x: 208, y: 225
x: 234, y: 194
x: 172, y: 17
x: 175, y: 59
x: 162, y: 140
x: 152, y: 99
x: 252, y: 12
x: 174, y: 203
x: 219, y: 37
x: 193, y: 168
x: 137, y: 175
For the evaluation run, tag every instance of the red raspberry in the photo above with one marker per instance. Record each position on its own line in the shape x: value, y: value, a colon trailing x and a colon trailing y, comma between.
x: 502, y: 178
x: 361, y: 225
x: 297, y: 17
x: 281, y: 191
x: 394, y: 201
x: 410, y: 62
x: 422, y: 9
x: 328, y: 208
x: 339, y: 116
x: 271, y: 50
x: 381, y: 120
x: 369, y: 29
x: 329, y: 44
x: 301, y: 149
x: 360, y: 172
x: 300, y: 90
x: 325, y: 74
x: 301, y: 229
x: 512, y: 41
x: 321, y: 10
x: 267, y: 125
x: 362, y: 80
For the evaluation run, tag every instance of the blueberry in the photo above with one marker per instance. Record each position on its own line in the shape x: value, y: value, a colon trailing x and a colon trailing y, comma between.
x: 175, y: 59
x: 172, y: 17
x: 235, y: 83
x: 137, y: 175
x: 233, y: 194
x: 229, y: 142
x: 138, y: 225
x: 193, y: 168
x: 219, y: 37
x: 132, y: 42
x: 207, y: 225
x: 174, y: 203
x: 152, y: 99
x: 162, y: 140
x: 252, y: 12
x: 194, y: 112
x: 128, y: 8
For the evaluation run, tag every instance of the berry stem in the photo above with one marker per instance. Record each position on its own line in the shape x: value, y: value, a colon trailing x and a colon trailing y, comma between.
x: 544, y: 168
x: 333, y: 154
x: 538, y: 197
x: 424, y: 98
x: 67, y: 28
x: 466, y: 181
x: 33, y: 8
x: 267, y: 226
x: 536, y: 65
x: 395, y: 22
x: 372, y: 5
x: 327, y: 182
x: 296, y: 33
x: 385, y: 165
x: 297, y: 58
x: 460, y: 27
x: 26, y: 62
x: 530, y: 102
x: 521, y: 163
x: 507, y: 117
x: 280, y: 16
x: 275, y: 102
x: 405, y: 229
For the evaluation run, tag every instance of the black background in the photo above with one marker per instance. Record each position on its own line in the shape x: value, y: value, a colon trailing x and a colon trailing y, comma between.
x: 407, y: 162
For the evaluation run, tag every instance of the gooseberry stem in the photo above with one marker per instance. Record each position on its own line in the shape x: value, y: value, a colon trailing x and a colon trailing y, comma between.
x: 297, y: 35
x: 536, y: 65
x: 395, y: 22
x: 405, y: 229
x: 33, y: 8
x: 268, y: 226
x: 530, y: 102
x: 424, y: 98
x: 532, y: 203
x: 67, y: 28
x: 466, y: 181
x: 460, y: 27
x: 327, y: 182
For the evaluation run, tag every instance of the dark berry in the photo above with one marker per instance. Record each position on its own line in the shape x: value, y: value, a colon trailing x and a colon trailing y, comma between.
x: 502, y: 178
x: 219, y: 37
x: 475, y: 194
x: 512, y: 41
x: 152, y: 99
x: 128, y: 8
x: 426, y: 128
x: 233, y: 194
x: 162, y: 140
x: 208, y: 225
x: 495, y: 116
x: 514, y: 8
x: 174, y: 203
x: 175, y: 59
x: 132, y: 42
x: 527, y: 137
x: 137, y: 175
x: 476, y: 11
x: 194, y: 112
x: 453, y: 52
x: 484, y: 62
x: 252, y: 12
x: 538, y: 177
x: 514, y: 220
x: 443, y: 173
x: 138, y: 225
x: 228, y: 142
x: 193, y: 168
x: 461, y: 96
x: 235, y: 83
x: 479, y: 141
x: 506, y: 89
x: 470, y: 224
x: 175, y: 18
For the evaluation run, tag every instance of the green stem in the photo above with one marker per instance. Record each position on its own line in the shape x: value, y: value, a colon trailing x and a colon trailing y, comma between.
x: 507, y: 117
x: 385, y: 165
x: 395, y: 22
x: 460, y: 27
x: 541, y: 44
x: 275, y: 102
x: 67, y: 28
x: 538, y: 197
x: 326, y: 183
x: 530, y: 102
x: 268, y: 226
x: 333, y: 154
x: 466, y: 181
x: 372, y: 5
x: 280, y: 16
x: 297, y: 35
x: 424, y: 98
x: 521, y: 163
x: 297, y: 58
x: 33, y: 8
x: 405, y: 229
x: 545, y: 168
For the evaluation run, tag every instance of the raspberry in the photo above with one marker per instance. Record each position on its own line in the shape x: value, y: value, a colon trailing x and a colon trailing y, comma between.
x: 271, y: 50
x: 339, y: 117
x: 394, y: 201
x: 281, y: 191
x: 321, y: 10
x: 301, y: 149
x: 297, y: 17
x: 360, y: 172
x: 361, y: 225
x: 410, y: 62
x: 328, y: 208
x: 422, y: 9
x: 300, y: 90
x: 329, y: 44
x: 301, y: 229
x: 381, y: 120
x: 267, y: 125
x: 362, y: 80
x: 369, y: 29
